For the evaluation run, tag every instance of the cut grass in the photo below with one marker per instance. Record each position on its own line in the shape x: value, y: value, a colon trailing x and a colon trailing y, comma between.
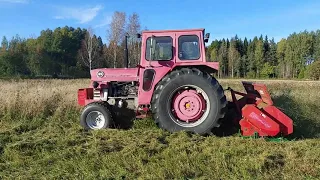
x: 40, y: 137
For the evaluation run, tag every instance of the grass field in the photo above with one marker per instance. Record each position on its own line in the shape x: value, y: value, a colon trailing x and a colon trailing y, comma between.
x: 40, y: 138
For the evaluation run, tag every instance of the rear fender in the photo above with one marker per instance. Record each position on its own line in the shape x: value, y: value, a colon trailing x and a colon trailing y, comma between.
x: 144, y: 97
x: 208, y: 67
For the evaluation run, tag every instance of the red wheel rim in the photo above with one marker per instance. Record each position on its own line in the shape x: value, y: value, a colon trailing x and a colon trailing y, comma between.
x: 189, y: 106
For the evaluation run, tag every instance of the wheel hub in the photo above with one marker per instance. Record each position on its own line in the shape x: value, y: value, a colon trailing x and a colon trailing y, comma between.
x: 189, y: 105
x: 95, y: 120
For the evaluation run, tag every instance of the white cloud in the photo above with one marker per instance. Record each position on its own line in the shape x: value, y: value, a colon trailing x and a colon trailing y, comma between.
x: 105, y: 21
x: 15, y: 1
x: 59, y: 17
x: 82, y: 15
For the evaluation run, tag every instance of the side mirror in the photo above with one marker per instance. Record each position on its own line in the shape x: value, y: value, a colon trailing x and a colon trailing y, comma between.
x: 206, y: 37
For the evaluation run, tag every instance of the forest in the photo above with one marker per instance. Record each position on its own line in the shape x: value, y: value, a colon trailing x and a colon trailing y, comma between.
x: 71, y: 52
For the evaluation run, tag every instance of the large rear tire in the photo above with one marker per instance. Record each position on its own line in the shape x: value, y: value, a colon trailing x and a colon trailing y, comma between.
x: 188, y: 100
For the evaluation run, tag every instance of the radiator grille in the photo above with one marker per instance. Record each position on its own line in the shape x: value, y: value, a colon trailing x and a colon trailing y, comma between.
x: 96, y: 95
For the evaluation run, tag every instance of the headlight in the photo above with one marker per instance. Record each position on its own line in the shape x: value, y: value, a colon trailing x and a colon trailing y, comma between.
x: 95, y: 84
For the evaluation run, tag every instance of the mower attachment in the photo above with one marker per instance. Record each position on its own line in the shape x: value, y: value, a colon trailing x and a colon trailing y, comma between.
x: 257, y: 113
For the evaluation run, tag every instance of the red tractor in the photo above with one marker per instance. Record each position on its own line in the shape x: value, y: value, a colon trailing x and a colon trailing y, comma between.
x: 174, y: 82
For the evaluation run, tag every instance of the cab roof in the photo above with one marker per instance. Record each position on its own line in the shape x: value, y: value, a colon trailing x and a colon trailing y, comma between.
x: 173, y: 30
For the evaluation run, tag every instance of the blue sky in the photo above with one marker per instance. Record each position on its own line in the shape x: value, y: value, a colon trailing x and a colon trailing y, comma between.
x: 223, y: 19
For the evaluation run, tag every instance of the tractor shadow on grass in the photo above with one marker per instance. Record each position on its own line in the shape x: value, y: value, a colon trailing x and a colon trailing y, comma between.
x: 305, y: 125
x: 228, y: 127
x: 123, y: 118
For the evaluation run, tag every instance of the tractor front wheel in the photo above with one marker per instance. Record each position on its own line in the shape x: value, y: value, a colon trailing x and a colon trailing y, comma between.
x: 189, y: 100
x: 95, y: 116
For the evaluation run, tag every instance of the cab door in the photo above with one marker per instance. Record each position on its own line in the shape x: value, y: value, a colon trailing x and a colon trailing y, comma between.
x: 158, y: 49
x: 157, y: 58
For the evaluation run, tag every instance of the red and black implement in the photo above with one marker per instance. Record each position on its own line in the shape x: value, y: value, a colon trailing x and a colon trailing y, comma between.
x: 257, y: 113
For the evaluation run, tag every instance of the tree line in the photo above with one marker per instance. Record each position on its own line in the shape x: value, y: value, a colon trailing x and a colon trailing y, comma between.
x: 72, y: 52
x: 296, y: 56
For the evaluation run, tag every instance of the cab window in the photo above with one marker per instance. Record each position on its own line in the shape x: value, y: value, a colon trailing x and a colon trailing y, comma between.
x: 162, y: 48
x: 189, y: 48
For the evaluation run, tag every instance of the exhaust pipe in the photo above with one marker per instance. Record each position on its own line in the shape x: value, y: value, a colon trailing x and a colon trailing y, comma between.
x: 126, y: 62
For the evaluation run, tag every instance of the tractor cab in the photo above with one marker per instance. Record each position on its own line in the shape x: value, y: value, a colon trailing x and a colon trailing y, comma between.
x: 173, y: 46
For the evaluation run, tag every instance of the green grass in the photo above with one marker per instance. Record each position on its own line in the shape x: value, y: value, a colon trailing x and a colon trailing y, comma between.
x: 48, y: 142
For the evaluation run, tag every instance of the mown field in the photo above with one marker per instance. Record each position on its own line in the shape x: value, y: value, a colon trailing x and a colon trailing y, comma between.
x: 40, y: 138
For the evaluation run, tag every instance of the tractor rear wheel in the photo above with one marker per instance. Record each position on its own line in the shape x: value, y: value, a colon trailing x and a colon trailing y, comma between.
x: 96, y: 116
x: 189, y: 100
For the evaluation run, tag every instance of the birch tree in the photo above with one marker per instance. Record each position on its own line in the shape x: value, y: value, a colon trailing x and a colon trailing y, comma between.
x: 115, y: 34
x: 133, y: 28
x: 89, y: 49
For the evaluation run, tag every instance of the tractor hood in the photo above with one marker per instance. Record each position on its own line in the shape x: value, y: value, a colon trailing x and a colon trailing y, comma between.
x: 114, y: 74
